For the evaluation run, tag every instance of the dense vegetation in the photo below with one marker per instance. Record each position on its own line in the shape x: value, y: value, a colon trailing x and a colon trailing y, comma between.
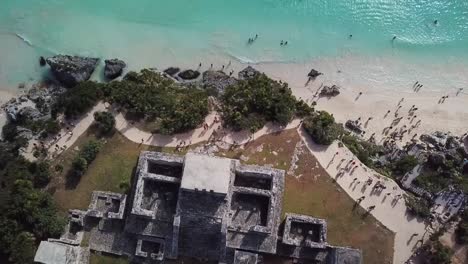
x: 85, y: 157
x: 364, y: 150
x: 322, y: 128
x: 28, y: 214
x: 79, y: 100
x: 149, y: 95
x: 251, y: 103
x: 105, y: 121
x: 418, y: 206
x: 439, y: 173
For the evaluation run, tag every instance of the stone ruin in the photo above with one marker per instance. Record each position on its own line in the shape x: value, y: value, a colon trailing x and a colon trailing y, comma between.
x: 214, y: 209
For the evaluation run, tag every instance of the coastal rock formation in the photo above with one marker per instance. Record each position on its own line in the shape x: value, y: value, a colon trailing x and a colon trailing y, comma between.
x: 22, y: 132
x: 114, y: 68
x: 248, y: 73
x: 354, y: 126
x: 171, y: 71
x: 328, y: 91
x: 29, y: 113
x: 189, y: 74
x: 42, y: 61
x: 314, y: 74
x: 70, y: 70
x: 217, y: 80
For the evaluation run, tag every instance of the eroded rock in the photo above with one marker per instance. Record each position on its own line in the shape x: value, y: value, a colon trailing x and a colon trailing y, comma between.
x: 70, y: 70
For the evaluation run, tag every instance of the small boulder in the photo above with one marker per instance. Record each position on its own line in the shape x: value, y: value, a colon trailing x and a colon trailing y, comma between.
x: 248, y: 73
x: 328, y: 91
x: 314, y: 74
x: 70, y: 70
x: 114, y: 68
x: 354, y: 126
x: 22, y: 132
x: 217, y: 80
x: 189, y: 74
x: 171, y: 71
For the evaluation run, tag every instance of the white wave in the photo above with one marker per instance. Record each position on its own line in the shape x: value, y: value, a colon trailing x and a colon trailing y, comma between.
x: 23, y: 38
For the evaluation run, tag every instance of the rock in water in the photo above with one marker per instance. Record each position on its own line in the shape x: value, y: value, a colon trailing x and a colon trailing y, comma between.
x: 217, y: 80
x: 248, y: 73
x: 70, y: 70
x: 171, y: 71
x: 314, y: 74
x: 42, y: 61
x: 328, y: 91
x: 114, y: 68
x: 189, y: 74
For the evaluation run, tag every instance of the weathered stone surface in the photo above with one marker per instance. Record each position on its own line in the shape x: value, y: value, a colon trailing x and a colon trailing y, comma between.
x: 23, y: 132
x: 70, y: 70
x: 354, y: 126
x: 114, y: 68
x: 217, y: 80
x: 248, y: 73
x: 189, y: 74
x: 330, y: 91
x: 314, y: 74
x: 171, y: 71
x: 29, y: 113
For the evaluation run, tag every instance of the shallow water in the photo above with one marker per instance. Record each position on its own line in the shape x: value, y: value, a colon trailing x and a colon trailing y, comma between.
x: 156, y: 33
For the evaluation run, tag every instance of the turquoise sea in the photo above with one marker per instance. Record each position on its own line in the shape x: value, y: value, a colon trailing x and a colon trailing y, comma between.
x: 160, y: 33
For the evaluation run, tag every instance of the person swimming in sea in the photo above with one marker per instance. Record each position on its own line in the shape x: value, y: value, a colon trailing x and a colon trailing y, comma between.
x: 350, y: 36
x: 394, y: 37
x: 436, y: 22
x: 281, y: 43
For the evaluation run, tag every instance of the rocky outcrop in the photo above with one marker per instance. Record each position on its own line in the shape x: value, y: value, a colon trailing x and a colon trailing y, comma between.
x: 171, y: 71
x: 70, y: 70
x: 248, y: 73
x: 354, y: 126
x: 328, y: 91
x: 22, y: 132
x: 217, y: 80
x: 29, y: 113
x: 189, y: 75
x: 114, y: 68
x: 314, y: 74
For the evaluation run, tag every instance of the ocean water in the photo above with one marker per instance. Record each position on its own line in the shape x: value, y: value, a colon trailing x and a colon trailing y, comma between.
x: 156, y: 33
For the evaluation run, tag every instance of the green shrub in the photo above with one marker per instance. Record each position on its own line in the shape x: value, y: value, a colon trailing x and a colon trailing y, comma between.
x: 251, y: 103
x: 322, y: 128
x: 79, y: 99
x: 90, y: 151
x: 79, y: 166
x: 42, y: 174
x: 23, y: 248
x: 404, y: 165
x: 105, y: 121
x: 364, y: 150
x: 149, y: 95
x: 418, y: 206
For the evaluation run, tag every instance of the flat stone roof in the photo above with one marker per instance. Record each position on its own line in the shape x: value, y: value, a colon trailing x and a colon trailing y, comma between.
x: 202, y: 172
x: 59, y: 253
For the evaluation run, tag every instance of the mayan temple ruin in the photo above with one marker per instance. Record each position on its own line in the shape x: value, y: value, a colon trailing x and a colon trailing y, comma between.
x: 213, y: 209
